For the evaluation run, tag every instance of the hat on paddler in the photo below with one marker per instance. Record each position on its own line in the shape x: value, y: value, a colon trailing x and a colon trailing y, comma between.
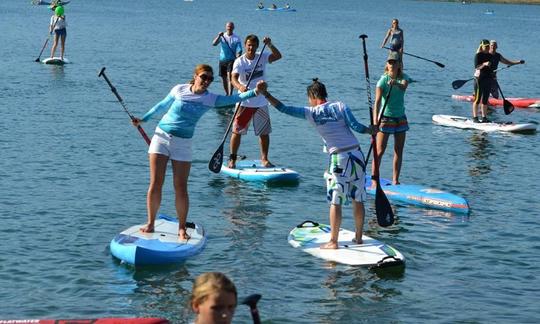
x: 393, y: 56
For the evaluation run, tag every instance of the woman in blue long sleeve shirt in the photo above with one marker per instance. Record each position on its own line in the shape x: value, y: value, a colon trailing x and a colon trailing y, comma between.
x: 183, y: 106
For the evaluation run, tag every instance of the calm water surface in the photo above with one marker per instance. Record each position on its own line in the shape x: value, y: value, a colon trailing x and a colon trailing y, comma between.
x: 74, y: 172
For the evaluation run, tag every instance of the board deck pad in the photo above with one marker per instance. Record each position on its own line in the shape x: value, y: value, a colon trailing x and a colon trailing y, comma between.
x: 309, y: 236
x: 252, y: 170
x: 160, y: 247
x: 466, y: 123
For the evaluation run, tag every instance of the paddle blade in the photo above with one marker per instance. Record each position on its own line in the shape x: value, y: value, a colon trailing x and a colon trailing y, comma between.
x: 217, y: 160
x: 383, y: 209
x: 508, y: 107
x: 459, y: 83
x: 439, y: 64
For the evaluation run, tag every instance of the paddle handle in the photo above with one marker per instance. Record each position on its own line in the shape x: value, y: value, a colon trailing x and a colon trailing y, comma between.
x: 117, y: 95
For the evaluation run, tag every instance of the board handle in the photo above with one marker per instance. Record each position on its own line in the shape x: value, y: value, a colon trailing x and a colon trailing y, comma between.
x: 314, y: 224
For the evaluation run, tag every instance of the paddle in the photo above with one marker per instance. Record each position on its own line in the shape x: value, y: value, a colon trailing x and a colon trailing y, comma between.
x: 46, y: 42
x: 456, y: 84
x: 217, y: 159
x: 229, y: 87
x: 383, y: 209
x: 113, y: 89
x: 507, y: 105
x: 251, y: 301
x: 419, y: 57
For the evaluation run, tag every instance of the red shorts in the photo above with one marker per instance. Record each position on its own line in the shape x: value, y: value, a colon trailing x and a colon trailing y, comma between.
x: 260, y: 117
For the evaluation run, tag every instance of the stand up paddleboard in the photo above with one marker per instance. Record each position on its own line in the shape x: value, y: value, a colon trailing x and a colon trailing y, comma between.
x: 161, y: 247
x: 119, y: 320
x: 276, y: 9
x: 420, y: 196
x: 516, y: 102
x: 252, y: 170
x: 309, y: 235
x: 466, y: 123
x: 55, y: 61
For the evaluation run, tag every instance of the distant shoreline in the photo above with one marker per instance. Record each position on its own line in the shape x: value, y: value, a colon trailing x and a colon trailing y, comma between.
x: 528, y: 2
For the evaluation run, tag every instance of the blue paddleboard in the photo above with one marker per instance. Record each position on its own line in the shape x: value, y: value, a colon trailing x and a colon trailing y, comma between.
x: 161, y: 247
x: 421, y: 196
x: 252, y: 170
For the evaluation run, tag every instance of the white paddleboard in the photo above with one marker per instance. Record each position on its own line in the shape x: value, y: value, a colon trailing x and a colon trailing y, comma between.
x: 55, y: 61
x: 309, y: 235
x: 161, y: 247
x: 466, y: 123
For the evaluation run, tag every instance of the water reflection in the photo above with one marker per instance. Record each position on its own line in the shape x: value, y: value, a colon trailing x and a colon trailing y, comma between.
x: 481, y: 150
x: 57, y: 72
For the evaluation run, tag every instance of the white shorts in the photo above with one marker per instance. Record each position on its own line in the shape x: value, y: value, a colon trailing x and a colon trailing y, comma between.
x: 345, y: 178
x: 176, y: 148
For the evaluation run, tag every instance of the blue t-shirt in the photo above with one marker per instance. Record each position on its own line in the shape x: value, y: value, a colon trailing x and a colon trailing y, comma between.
x: 185, y: 108
x: 231, y: 46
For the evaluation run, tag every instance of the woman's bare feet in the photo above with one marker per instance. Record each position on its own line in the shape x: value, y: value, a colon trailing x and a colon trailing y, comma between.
x: 357, y: 240
x: 267, y: 164
x: 148, y: 228
x: 329, y: 246
x: 183, y: 235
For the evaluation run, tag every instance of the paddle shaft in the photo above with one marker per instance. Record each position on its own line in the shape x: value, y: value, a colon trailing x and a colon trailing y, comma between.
x: 113, y: 89
x: 459, y: 83
x: 507, y: 105
x: 217, y: 159
x: 385, y: 214
x: 46, y: 42
x: 419, y: 57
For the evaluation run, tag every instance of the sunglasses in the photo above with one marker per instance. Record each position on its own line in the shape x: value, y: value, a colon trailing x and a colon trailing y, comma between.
x: 206, y: 77
x: 391, y: 62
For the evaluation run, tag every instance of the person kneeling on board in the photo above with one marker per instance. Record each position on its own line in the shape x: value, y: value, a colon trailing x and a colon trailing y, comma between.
x: 345, y: 177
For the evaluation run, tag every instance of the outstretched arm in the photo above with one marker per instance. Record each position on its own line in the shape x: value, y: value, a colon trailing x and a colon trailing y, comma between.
x: 276, y: 54
x: 509, y: 62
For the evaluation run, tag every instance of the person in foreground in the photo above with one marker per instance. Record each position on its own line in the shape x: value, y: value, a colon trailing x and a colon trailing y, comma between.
x: 231, y: 48
x: 58, y: 26
x: 495, y: 59
x: 482, y: 81
x: 213, y: 298
x: 393, y: 119
x: 184, y: 106
x: 256, y: 108
x: 345, y: 177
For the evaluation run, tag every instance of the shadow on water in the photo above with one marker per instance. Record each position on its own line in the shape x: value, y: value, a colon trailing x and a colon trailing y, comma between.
x: 481, y: 150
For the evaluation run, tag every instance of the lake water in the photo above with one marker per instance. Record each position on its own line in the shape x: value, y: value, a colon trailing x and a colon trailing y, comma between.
x: 74, y: 172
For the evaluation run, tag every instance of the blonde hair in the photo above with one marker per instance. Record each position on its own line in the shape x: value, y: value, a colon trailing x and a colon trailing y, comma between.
x: 201, y: 68
x: 483, y: 43
x: 209, y: 283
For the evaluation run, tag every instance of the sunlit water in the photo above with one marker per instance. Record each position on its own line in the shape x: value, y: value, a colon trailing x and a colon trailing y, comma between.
x: 74, y: 172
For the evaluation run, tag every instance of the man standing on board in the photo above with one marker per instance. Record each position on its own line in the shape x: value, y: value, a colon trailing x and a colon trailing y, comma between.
x: 254, y: 108
x: 496, y: 58
x: 231, y: 48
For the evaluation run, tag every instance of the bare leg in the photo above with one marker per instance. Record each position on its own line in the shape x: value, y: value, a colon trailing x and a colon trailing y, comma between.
x: 264, y: 141
x: 359, y: 212
x: 55, y: 44
x: 180, y: 176
x: 235, y: 145
x: 335, y: 223
x: 483, y: 109
x: 475, y: 109
x: 224, y: 80
x: 158, y: 167
x: 399, y: 144
x: 382, y: 141
x: 63, y: 45
x: 228, y: 89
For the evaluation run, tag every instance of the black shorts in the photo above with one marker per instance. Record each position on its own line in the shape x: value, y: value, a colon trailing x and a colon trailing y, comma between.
x: 225, y: 67
x: 482, y: 88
